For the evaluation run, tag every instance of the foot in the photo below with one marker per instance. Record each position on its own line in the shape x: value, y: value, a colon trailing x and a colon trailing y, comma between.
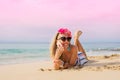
x: 77, y: 34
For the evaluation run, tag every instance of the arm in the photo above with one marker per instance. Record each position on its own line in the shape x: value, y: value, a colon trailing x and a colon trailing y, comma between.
x: 57, y: 61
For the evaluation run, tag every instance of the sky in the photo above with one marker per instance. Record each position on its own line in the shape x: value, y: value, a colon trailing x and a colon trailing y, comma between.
x: 39, y: 20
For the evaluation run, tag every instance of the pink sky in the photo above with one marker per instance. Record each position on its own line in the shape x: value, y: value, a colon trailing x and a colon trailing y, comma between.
x: 92, y: 16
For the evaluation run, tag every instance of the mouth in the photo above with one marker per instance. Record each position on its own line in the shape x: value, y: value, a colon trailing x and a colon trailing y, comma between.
x: 66, y: 45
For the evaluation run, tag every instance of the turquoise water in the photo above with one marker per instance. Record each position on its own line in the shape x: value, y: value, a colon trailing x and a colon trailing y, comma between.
x: 102, y: 48
x: 20, y: 53
x: 13, y: 53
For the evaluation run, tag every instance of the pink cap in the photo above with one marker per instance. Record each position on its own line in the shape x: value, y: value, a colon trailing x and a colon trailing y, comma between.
x: 65, y: 31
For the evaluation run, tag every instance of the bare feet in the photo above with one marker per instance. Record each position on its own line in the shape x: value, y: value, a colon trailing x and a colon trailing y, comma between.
x: 77, y: 34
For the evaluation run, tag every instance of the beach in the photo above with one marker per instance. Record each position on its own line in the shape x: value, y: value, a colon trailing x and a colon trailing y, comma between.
x: 33, y: 30
x: 97, y: 68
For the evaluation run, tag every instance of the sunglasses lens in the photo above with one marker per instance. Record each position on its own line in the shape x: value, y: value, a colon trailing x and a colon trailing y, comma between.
x: 63, y: 38
x: 69, y: 38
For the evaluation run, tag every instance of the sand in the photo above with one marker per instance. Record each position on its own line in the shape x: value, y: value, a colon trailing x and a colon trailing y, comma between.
x: 98, y: 68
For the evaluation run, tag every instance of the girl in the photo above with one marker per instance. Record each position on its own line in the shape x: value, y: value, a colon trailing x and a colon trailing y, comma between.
x: 65, y: 54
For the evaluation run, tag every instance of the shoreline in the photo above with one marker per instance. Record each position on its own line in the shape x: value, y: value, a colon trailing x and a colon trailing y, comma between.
x: 97, y: 68
x: 47, y: 59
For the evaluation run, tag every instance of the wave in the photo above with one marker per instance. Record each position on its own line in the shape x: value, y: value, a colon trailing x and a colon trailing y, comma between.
x: 104, y: 49
x: 9, y: 56
x: 9, y: 51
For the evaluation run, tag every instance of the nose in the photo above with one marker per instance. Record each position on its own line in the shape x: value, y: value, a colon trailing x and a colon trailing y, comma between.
x: 66, y: 41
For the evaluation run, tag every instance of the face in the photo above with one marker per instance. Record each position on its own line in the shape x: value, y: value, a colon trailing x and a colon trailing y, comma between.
x: 64, y: 39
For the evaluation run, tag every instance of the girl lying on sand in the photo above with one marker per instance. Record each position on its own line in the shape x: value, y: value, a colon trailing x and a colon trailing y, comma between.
x: 63, y: 53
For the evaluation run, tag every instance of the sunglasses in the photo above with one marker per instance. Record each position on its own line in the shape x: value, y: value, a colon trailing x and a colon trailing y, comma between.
x: 65, y: 38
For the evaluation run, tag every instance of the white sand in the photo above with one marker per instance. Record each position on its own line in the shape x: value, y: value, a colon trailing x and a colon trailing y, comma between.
x: 98, y: 68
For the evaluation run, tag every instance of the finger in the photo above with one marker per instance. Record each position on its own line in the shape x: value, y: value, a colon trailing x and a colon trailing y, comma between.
x: 60, y: 44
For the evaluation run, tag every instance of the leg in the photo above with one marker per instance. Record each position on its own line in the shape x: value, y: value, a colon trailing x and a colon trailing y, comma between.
x: 78, y: 44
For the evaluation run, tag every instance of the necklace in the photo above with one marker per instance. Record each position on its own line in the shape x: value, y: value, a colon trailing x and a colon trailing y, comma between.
x: 68, y: 48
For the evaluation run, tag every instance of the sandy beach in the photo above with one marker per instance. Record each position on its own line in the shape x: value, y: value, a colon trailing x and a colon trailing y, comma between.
x: 98, y: 68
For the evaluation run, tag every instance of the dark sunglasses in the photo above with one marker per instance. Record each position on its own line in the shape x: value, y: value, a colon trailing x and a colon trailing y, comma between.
x: 65, y: 38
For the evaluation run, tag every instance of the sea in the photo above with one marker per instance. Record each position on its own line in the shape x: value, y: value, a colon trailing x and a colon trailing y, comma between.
x: 15, y: 53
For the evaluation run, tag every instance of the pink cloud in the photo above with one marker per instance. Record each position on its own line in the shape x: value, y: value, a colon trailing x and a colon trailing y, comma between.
x: 93, y: 17
x: 58, y: 11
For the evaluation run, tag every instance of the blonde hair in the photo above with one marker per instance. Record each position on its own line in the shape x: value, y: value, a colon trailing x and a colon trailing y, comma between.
x: 53, y: 46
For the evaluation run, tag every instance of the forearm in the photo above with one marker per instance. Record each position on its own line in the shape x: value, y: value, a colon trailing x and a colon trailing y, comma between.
x: 57, y: 54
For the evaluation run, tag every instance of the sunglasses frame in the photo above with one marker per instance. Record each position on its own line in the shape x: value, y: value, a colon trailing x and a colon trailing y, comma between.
x: 65, y: 38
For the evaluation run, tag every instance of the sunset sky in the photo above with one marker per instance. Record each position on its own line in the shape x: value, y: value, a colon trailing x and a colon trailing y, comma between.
x: 39, y: 20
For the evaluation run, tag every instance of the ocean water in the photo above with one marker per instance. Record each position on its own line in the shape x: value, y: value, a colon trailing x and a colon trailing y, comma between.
x: 14, y: 53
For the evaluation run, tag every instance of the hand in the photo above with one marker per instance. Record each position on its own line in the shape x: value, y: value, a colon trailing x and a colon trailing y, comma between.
x: 59, y: 44
x: 63, y: 45
x: 60, y: 47
x: 58, y: 61
x: 66, y: 65
x: 59, y: 50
